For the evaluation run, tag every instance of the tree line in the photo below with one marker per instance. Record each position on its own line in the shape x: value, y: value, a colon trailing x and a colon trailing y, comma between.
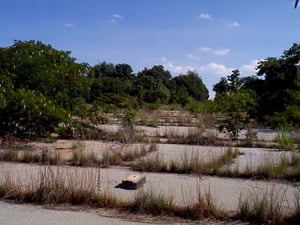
x: 42, y: 87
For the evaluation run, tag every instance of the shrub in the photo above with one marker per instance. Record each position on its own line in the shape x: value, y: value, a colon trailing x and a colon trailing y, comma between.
x: 285, y: 141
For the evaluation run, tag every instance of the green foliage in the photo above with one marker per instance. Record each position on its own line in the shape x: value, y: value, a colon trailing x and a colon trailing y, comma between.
x: 280, y: 101
x: 189, y: 85
x: 127, y: 131
x: 285, y: 141
x: 40, y: 87
x: 234, y: 107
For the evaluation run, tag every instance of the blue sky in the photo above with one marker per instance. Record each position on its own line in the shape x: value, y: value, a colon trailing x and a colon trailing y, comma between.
x: 211, y: 37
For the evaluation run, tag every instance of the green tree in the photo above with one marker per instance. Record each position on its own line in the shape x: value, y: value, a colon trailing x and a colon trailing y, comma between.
x: 45, y: 86
x: 159, y: 73
x: 234, y: 108
x: 281, y: 94
x: 124, y: 71
x: 221, y: 87
x: 151, y: 90
x: 232, y: 83
x: 236, y: 100
x: 191, y: 85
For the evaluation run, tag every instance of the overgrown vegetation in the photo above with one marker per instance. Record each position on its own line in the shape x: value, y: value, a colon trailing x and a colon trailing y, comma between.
x: 190, y: 163
x: 268, y: 207
x: 53, y: 186
x: 285, y: 141
x: 79, y: 156
x: 44, y: 90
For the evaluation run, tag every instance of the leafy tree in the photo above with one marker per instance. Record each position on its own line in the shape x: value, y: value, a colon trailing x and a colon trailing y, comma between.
x: 45, y: 86
x: 104, y: 69
x: 232, y: 83
x: 221, y: 87
x: 189, y: 84
x: 124, y: 71
x: 281, y: 88
x: 234, y: 108
x: 159, y: 73
x: 236, y: 100
x: 151, y: 90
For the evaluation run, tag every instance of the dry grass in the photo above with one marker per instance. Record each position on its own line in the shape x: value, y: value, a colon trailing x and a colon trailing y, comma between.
x: 294, y: 217
x: 288, y: 168
x: 79, y: 156
x: 190, y: 163
x: 53, y: 185
x: 193, y: 136
x: 264, y: 207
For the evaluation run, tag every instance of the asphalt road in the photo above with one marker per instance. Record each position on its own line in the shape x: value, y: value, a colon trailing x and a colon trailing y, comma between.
x: 24, y: 214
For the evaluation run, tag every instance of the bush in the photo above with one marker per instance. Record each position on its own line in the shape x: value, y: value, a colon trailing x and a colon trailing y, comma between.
x: 285, y: 141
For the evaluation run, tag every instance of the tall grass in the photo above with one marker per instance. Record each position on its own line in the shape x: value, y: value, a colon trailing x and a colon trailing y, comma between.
x: 266, y: 206
x: 285, y: 141
x: 294, y: 217
x: 79, y: 156
x: 189, y: 163
x: 150, y: 201
x: 10, y: 155
x: 53, y: 185
x: 287, y: 167
x: 193, y: 136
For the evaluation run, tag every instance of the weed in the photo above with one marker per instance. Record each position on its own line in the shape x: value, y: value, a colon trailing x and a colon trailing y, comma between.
x: 266, y: 207
x: 10, y: 155
x: 106, y: 159
x: 294, y: 218
x: 190, y: 163
x: 250, y: 137
x: 152, y: 203
x: 285, y: 141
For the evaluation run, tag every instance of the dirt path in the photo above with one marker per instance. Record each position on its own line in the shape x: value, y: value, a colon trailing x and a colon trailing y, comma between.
x: 27, y: 214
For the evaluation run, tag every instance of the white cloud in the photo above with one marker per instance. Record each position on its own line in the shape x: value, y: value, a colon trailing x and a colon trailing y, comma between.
x: 234, y: 24
x: 204, y: 16
x: 115, y: 18
x: 223, y: 51
x: 163, y: 59
x: 193, y: 57
x: 176, y: 69
x: 216, y: 69
x: 205, y: 49
x: 217, y: 52
x: 69, y: 25
x: 249, y: 69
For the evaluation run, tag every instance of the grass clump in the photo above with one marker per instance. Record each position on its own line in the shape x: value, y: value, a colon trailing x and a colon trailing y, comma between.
x: 159, y: 204
x: 58, y: 185
x: 205, y: 207
x: 190, y: 163
x: 288, y: 167
x: 294, y: 217
x: 263, y: 208
x: 9, y: 155
x: 193, y: 136
x: 151, y: 164
x: 285, y: 141
x: 52, y: 186
x: 149, y: 202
